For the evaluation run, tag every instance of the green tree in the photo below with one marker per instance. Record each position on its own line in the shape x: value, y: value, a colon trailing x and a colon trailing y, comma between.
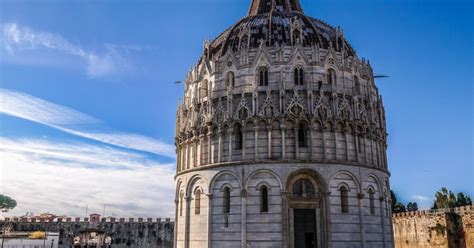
x: 444, y: 198
x: 463, y: 200
x: 6, y: 203
x: 394, y: 199
x: 397, y: 207
x: 412, y: 206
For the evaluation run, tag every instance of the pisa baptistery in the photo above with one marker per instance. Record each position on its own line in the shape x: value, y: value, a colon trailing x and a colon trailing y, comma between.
x: 281, y: 139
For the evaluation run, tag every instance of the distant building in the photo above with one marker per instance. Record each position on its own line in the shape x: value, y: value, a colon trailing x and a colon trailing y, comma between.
x: 29, y: 240
x: 281, y: 139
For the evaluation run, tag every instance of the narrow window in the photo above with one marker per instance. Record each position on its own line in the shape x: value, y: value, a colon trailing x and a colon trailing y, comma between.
x: 302, y: 139
x: 331, y: 77
x: 230, y: 79
x: 296, y: 74
x: 264, y: 199
x: 226, y: 201
x: 238, y: 138
x: 299, y: 76
x: 296, y: 37
x: 197, y: 202
x: 372, y: 201
x: 263, y: 76
x: 356, y: 85
x: 344, y: 199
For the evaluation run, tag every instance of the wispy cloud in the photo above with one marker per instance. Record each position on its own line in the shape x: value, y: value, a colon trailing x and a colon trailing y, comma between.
x: 111, y: 61
x: 64, y: 178
x: 25, y: 106
x: 424, y: 202
x: 421, y: 198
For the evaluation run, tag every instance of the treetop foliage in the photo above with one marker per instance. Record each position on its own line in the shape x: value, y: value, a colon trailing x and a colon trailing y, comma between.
x: 7, y: 203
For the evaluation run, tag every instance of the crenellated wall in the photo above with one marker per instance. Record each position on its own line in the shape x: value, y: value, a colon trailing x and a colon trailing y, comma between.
x: 130, y: 232
x: 435, y: 229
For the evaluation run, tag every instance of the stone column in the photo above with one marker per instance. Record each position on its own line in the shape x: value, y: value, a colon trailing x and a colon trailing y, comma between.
x: 360, y: 198
x: 297, y: 145
x: 364, y: 150
x: 195, y: 152
x: 209, y: 147
x: 311, y: 146
x: 209, y: 220
x: 326, y: 211
x: 283, y: 142
x: 244, y: 131
x: 188, y: 155
x: 347, y: 146
x: 323, y: 131
x: 382, y: 215
x: 269, y: 136
x: 219, y: 146
x: 256, y: 141
x: 186, y: 222
x: 243, y: 196
x: 285, y: 215
x: 176, y: 223
x: 178, y: 158
x: 201, y: 150
x: 357, y: 148
x: 231, y: 135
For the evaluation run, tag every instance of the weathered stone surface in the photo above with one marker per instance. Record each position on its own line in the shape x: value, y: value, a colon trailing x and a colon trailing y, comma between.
x: 123, y: 234
x: 435, y: 229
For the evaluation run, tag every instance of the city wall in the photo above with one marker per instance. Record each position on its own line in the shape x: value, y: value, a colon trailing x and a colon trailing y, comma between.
x: 147, y: 233
x: 453, y: 228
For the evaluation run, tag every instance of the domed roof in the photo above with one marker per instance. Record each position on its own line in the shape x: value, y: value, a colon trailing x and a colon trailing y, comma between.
x: 278, y: 22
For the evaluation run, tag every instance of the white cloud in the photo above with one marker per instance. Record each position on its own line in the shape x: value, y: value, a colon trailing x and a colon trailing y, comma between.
x: 421, y: 198
x: 109, y: 62
x: 64, y: 178
x: 71, y: 121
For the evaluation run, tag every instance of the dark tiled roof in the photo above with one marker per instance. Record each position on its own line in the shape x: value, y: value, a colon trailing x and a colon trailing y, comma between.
x: 275, y: 27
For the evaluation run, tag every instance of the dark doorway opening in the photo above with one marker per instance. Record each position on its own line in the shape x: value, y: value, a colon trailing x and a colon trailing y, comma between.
x: 305, y: 228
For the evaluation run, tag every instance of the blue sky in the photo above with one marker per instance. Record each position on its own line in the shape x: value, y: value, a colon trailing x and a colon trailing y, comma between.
x: 88, y: 97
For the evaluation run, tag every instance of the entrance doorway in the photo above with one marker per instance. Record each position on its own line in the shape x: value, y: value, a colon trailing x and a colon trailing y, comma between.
x: 305, y: 228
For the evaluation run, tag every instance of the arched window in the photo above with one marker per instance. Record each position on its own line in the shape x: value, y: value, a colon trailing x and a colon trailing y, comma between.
x: 263, y: 76
x: 197, y: 202
x: 356, y: 85
x: 372, y: 201
x: 230, y: 79
x: 303, y: 188
x: 302, y: 135
x: 239, y: 138
x: 331, y: 77
x: 344, y: 199
x: 226, y: 201
x: 299, y: 76
x: 263, y: 199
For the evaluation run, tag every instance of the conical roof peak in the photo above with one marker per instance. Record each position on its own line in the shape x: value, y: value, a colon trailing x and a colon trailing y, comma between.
x: 266, y: 6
